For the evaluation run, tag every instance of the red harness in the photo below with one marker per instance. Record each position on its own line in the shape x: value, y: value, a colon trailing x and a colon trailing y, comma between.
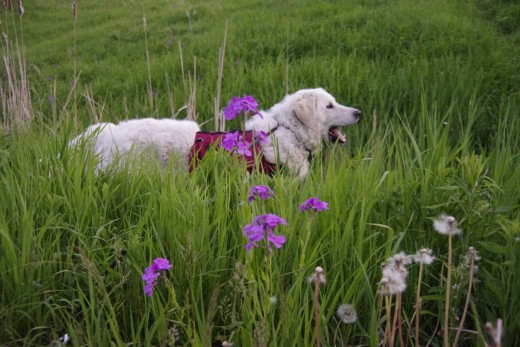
x: 205, y: 140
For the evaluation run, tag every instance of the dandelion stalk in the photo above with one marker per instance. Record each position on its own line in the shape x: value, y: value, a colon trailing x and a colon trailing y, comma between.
x: 447, y: 225
x: 388, y: 327
x: 317, y: 278
x: 472, y: 257
x: 418, y: 305
x: 424, y: 256
x: 446, y: 338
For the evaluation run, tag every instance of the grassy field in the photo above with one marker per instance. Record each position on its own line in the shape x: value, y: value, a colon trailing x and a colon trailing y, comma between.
x: 439, y: 85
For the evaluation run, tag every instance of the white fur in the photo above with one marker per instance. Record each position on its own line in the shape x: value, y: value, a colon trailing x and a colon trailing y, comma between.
x: 301, y: 121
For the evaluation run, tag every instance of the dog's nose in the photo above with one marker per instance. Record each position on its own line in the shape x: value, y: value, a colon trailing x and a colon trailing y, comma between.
x: 357, y: 114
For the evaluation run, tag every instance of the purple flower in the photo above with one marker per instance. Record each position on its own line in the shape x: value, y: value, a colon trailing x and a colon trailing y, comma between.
x: 261, y: 136
x: 237, y: 105
x: 314, y: 204
x: 230, y: 140
x: 160, y: 264
x: 151, y: 274
x: 148, y: 289
x: 243, y: 148
x: 233, y: 140
x: 272, y: 220
x: 276, y: 240
x: 263, y: 192
x: 262, y: 227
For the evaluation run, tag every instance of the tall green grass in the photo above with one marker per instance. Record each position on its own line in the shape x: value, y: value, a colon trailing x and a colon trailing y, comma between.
x: 441, y: 82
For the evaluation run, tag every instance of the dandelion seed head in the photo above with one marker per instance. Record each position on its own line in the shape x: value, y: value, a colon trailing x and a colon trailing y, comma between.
x: 424, y: 256
x: 346, y: 313
x: 318, y: 276
x: 471, y: 258
x: 446, y: 225
x: 396, y: 279
x: 398, y: 260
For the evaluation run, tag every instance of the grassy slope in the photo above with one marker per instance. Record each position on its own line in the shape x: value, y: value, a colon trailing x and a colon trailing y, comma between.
x: 378, y: 57
x: 417, y: 63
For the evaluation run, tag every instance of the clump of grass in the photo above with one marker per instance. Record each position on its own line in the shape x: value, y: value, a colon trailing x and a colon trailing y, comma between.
x: 17, y: 109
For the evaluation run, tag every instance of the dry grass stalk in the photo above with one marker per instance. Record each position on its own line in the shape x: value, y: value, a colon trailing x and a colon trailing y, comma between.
x: 148, y: 65
x: 74, y: 12
x: 8, y: 5
x: 20, y: 8
x: 192, y: 99
x: 96, y: 109
x: 17, y: 111
x: 220, y: 123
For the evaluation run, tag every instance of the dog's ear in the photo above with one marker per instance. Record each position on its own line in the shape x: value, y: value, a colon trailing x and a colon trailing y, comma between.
x: 306, y: 111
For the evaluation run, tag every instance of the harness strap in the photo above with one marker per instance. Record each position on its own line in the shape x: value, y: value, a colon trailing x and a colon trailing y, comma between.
x: 205, y: 140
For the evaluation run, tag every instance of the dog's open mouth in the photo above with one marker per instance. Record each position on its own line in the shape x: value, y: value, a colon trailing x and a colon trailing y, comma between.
x: 335, y: 135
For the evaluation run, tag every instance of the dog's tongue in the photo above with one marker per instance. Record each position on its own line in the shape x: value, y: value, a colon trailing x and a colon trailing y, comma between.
x: 336, y: 135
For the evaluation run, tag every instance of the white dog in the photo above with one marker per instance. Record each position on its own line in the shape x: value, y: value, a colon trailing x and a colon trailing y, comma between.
x: 297, y: 127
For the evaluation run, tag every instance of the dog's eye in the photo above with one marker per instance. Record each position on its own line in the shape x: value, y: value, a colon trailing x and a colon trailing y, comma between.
x: 330, y: 105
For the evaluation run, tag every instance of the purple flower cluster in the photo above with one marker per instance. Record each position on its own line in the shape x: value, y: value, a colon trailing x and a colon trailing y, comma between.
x: 314, y: 204
x: 237, y: 105
x: 261, y: 136
x: 152, y: 272
x: 233, y: 140
x: 263, y: 192
x: 262, y: 227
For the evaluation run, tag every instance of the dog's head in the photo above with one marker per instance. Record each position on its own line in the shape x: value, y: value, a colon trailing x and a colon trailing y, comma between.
x: 322, y: 115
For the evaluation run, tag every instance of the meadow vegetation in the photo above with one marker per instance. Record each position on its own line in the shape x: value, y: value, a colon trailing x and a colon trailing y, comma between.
x: 439, y: 85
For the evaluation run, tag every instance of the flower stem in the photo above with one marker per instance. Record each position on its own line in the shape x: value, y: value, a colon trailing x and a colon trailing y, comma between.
x: 316, y: 311
x: 447, y: 302
x: 468, y: 295
x: 418, y: 306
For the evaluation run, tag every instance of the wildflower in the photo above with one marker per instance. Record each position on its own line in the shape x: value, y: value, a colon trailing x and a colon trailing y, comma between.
x: 263, y: 192
x: 314, y: 204
x: 152, y: 272
x: 229, y: 140
x: 237, y: 105
x: 261, y: 136
x: 394, y: 274
x: 346, y: 313
x: 318, y: 276
x: 262, y: 227
x: 233, y: 140
x: 161, y: 264
x: 446, y: 225
x: 64, y: 339
x: 424, y: 256
x: 150, y: 275
x: 471, y: 258
x: 243, y: 148
x: 273, y: 300
x: 392, y: 283
x: 495, y: 332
